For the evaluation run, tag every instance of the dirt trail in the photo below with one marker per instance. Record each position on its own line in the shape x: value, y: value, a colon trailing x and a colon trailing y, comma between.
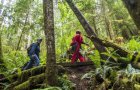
x: 75, y: 75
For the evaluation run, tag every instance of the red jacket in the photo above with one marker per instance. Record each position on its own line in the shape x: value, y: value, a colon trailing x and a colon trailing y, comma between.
x: 77, y: 39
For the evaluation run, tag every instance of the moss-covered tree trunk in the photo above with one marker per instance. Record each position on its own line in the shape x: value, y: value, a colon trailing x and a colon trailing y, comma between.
x: 51, y: 77
x: 2, y: 66
x: 133, y: 7
x: 87, y: 27
x: 107, y: 21
x: 1, y: 56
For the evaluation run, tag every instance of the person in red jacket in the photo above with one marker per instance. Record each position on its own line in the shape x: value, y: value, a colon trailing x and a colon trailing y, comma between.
x: 77, y: 40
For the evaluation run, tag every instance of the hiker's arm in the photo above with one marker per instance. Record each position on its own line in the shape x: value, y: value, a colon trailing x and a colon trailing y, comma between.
x: 32, y: 51
x: 84, y: 42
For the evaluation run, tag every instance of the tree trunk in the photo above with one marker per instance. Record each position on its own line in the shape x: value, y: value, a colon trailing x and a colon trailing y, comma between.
x: 23, y: 31
x: 126, y: 34
x: 107, y: 20
x: 95, y: 27
x: 133, y: 7
x: 2, y: 66
x: 51, y: 77
x: 87, y: 28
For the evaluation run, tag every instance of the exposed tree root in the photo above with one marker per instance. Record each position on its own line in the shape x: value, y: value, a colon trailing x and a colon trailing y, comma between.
x: 31, y: 82
x: 24, y: 75
x: 28, y: 78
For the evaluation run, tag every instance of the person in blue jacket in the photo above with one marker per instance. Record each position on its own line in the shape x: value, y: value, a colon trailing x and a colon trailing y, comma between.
x: 33, y: 53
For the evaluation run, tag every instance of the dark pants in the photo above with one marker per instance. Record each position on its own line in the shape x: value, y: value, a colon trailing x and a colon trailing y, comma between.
x: 34, y: 61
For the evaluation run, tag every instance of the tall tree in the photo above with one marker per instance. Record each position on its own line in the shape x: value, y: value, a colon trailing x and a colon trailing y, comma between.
x: 1, y: 55
x: 51, y: 77
x: 107, y: 20
x: 133, y: 7
x: 122, y: 24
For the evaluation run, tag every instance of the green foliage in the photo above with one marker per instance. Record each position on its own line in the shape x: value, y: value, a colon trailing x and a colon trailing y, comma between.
x: 65, y: 84
x: 95, y: 58
x: 15, y: 59
x: 137, y: 86
x: 133, y: 45
x: 116, y: 57
x: 88, y: 75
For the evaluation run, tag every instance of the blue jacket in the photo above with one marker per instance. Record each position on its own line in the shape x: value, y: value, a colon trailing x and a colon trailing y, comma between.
x: 35, y: 49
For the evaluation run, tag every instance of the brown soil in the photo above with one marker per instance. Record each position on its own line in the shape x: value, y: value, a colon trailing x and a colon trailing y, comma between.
x: 75, y: 74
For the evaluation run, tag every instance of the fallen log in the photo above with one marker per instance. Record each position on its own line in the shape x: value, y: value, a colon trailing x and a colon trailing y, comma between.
x: 135, y: 57
x: 24, y: 75
x: 27, y: 78
x: 12, y: 85
x: 77, y: 64
x: 122, y: 52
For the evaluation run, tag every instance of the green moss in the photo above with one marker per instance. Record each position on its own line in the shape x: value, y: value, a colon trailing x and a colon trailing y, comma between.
x: 23, y: 86
x: 135, y: 78
x: 38, y: 69
x: 113, y: 75
x: 24, y: 75
x: 137, y: 58
x: 11, y: 85
x: 31, y: 82
x: 137, y: 87
x: 130, y: 56
x: 31, y: 72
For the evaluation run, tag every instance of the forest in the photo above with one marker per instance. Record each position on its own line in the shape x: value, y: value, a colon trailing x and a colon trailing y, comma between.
x: 69, y: 44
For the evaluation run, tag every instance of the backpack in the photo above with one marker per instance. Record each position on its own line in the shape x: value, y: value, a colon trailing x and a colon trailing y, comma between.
x: 29, y: 48
x: 74, y: 47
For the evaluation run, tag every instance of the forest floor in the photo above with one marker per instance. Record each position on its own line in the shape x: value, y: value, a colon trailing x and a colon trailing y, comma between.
x: 82, y: 75
x: 75, y: 75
